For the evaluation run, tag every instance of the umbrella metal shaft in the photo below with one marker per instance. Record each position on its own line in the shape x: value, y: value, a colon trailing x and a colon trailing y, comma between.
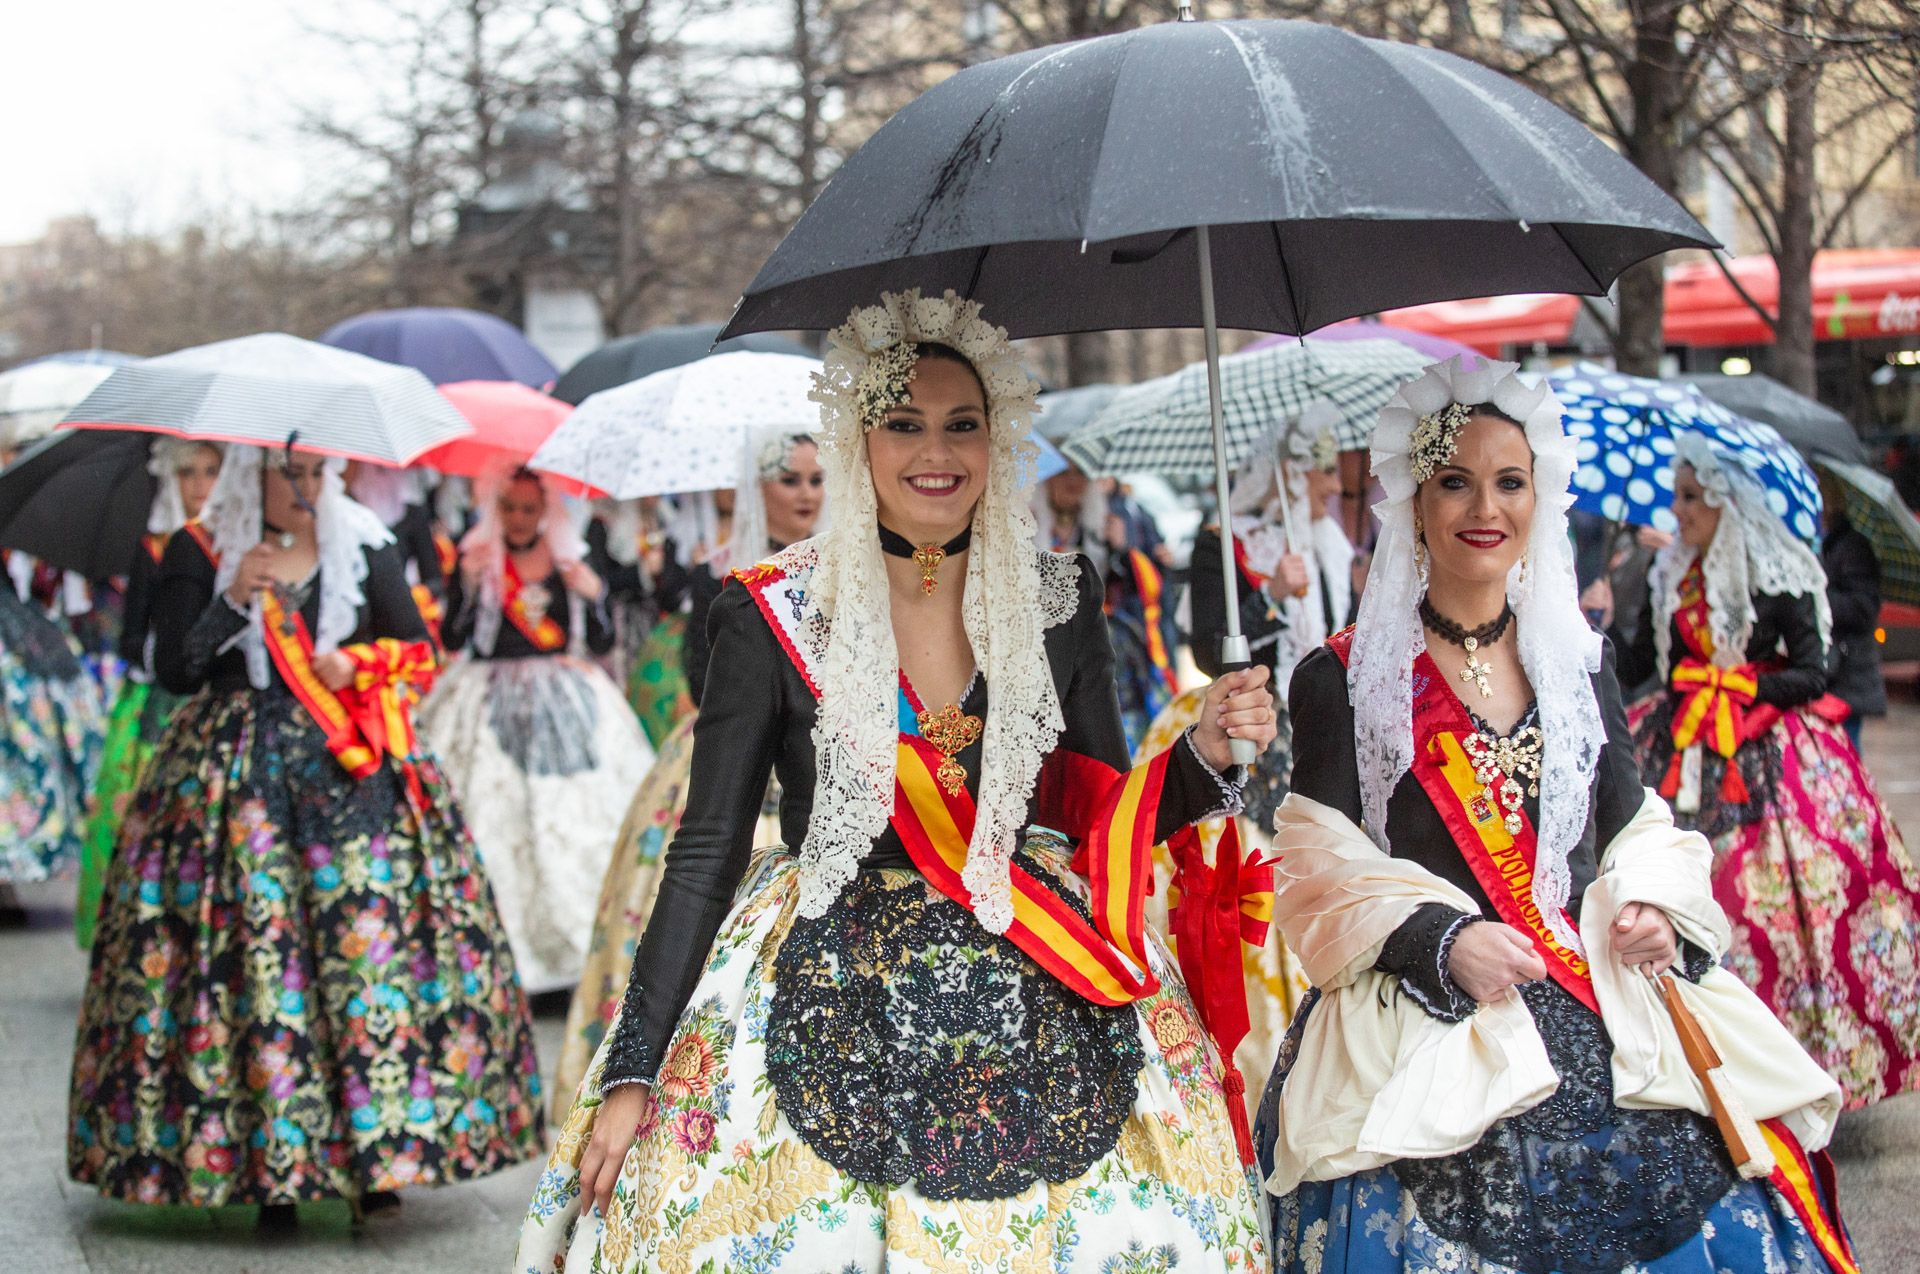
x: 1234, y: 652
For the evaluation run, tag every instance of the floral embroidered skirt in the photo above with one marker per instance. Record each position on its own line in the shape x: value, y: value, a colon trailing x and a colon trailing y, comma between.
x: 656, y: 683
x: 1823, y: 896
x: 51, y: 723
x: 544, y: 756
x: 141, y: 712
x: 300, y: 988
x: 890, y: 1087
x: 1275, y: 981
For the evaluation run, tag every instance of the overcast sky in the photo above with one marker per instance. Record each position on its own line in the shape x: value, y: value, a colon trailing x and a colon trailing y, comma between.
x: 144, y: 111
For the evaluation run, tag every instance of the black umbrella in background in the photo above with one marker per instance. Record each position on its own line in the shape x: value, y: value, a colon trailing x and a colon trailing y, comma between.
x: 80, y: 499
x: 644, y: 353
x: 1087, y: 187
x: 1810, y: 425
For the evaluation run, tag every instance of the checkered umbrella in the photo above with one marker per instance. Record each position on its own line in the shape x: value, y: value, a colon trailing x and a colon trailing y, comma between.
x: 1625, y: 426
x: 1876, y: 511
x: 1161, y: 426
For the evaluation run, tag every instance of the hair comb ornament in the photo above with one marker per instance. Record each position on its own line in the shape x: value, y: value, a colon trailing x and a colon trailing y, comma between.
x: 1435, y: 438
x: 882, y: 384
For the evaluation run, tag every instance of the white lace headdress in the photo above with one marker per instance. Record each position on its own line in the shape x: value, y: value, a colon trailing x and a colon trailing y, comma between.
x: 766, y: 454
x: 1558, y: 648
x: 387, y: 491
x: 1013, y: 594
x: 169, y: 512
x: 343, y: 529
x: 1752, y: 552
x: 560, y: 527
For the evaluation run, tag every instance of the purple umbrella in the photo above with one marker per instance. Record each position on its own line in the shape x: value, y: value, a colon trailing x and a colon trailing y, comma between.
x: 1437, y: 348
x: 446, y: 345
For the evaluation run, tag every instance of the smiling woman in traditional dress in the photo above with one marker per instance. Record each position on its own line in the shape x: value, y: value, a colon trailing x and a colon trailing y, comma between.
x: 186, y: 472
x: 538, y: 742
x: 300, y: 988
x: 777, y: 503
x: 1824, y: 897
x: 1487, y: 1077
x: 907, y: 1044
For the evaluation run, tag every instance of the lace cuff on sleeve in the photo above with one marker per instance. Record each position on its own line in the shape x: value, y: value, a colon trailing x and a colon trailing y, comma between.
x: 218, y: 627
x: 1232, y: 784
x: 1417, y: 954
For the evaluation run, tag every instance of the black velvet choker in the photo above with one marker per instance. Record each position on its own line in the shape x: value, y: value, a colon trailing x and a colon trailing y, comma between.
x: 926, y: 556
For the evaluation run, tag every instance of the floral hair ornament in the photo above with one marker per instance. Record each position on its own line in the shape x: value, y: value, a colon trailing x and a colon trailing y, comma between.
x: 1435, y: 438
x: 884, y: 384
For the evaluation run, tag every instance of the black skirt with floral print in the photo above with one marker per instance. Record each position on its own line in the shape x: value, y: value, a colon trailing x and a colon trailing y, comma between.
x: 300, y: 989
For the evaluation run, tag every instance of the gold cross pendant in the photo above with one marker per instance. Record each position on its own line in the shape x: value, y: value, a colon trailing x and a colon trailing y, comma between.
x: 1477, y: 669
x: 928, y: 558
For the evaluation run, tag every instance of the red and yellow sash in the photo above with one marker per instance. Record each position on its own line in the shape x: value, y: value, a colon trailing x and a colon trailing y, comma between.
x: 204, y: 538
x: 1503, y: 865
x: 448, y: 552
x: 155, y: 544
x: 1502, y: 861
x: 545, y: 633
x: 1713, y: 699
x: 431, y: 612
x: 1255, y: 580
x: 372, y: 718
x: 1152, y: 586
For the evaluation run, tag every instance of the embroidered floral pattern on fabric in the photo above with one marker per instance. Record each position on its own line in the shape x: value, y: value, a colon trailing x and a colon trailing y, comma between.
x: 907, y: 1044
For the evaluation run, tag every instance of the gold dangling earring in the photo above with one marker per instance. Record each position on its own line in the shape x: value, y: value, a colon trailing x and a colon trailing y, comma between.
x: 1421, y: 567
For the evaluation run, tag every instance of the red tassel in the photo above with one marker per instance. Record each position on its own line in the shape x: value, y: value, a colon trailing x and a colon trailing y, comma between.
x: 1733, y: 784
x: 1671, y: 783
x: 1235, y: 1088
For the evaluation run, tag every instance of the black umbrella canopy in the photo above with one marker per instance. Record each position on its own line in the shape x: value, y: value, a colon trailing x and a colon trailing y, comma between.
x: 1339, y: 175
x: 79, y: 499
x: 1807, y: 423
x: 642, y: 354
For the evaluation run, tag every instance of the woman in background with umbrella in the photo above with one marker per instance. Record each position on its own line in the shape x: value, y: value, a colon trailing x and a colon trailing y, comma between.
x: 1478, y: 886
x: 185, y: 472
x: 537, y: 741
x: 1741, y: 739
x: 867, y: 1062
x: 300, y: 989
x: 778, y: 503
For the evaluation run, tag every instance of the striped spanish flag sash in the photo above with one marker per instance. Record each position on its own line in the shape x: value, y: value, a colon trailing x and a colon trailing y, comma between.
x: 1810, y: 1186
x: 545, y: 632
x: 1153, y: 588
x: 291, y: 647
x: 446, y: 552
x: 155, y: 544
x: 1104, y: 960
x: 199, y: 534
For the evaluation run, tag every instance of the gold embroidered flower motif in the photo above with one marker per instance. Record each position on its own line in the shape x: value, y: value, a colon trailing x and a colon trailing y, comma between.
x: 689, y: 1069
x: 1435, y: 438
x: 1174, y: 1034
x: 882, y: 384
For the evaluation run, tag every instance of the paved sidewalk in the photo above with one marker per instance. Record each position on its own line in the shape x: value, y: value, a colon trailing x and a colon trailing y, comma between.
x: 49, y: 1225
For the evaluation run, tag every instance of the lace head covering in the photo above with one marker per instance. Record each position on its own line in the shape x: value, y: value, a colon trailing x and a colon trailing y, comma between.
x: 693, y: 524
x: 1752, y: 552
x: 386, y: 491
x: 343, y: 530
x: 1013, y: 594
x: 168, y: 457
x: 1086, y: 530
x: 1558, y: 648
x: 764, y: 456
x: 560, y: 526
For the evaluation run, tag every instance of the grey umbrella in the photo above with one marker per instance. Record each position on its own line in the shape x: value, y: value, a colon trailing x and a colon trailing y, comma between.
x: 1062, y: 411
x: 1810, y: 425
x: 1086, y: 186
x: 629, y: 358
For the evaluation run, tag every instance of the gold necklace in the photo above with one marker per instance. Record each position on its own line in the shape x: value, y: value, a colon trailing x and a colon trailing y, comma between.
x: 950, y: 731
x: 927, y: 557
x: 1501, y: 764
x: 1477, y: 669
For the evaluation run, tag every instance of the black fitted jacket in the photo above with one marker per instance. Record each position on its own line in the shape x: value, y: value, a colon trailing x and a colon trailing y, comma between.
x: 511, y: 642
x: 1784, y: 630
x: 757, y: 717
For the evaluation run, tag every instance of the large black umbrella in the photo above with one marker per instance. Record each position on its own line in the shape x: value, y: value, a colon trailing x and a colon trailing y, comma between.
x: 1085, y: 187
x: 79, y: 499
x: 1810, y: 425
x: 644, y: 353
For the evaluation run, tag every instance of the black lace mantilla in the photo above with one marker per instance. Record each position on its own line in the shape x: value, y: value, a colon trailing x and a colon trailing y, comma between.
x: 906, y: 1043
x: 1575, y: 1184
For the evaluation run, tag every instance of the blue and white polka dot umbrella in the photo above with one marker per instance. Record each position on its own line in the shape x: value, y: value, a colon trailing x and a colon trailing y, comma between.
x: 1625, y: 427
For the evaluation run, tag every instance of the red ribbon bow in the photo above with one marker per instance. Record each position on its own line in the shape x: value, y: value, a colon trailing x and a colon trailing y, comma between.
x: 1712, y: 712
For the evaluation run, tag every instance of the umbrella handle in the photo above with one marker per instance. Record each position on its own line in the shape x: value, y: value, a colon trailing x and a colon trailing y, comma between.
x: 1234, y: 651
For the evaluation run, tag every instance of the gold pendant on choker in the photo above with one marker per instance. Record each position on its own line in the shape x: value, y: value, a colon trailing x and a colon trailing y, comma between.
x: 1477, y: 669
x: 928, y: 558
x: 950, y: 731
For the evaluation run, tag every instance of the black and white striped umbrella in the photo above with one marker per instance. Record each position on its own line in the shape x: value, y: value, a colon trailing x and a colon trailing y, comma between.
x: 268, y: 388
x: 1161, y: 426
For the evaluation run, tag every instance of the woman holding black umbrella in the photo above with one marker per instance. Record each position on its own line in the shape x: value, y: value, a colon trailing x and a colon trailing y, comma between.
x: 1486, y: 1077
x: 874, y: 1058
x: 300, y: 988
x: 186, y: 472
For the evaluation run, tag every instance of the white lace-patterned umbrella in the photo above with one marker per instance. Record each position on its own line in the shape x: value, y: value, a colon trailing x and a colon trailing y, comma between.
x: 34, y: 397
x: 681, y: 429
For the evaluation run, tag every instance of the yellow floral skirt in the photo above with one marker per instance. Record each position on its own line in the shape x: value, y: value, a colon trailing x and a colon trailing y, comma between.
x: 720, y: 1179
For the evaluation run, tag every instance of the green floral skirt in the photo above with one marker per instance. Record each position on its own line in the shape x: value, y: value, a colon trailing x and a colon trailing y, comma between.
x: 300, y: 988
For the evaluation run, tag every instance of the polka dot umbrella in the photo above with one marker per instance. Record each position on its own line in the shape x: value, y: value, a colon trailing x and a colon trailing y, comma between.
x: 1625, y: 427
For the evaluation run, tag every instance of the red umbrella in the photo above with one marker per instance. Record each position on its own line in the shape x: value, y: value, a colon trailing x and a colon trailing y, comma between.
x: 509, y: 423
